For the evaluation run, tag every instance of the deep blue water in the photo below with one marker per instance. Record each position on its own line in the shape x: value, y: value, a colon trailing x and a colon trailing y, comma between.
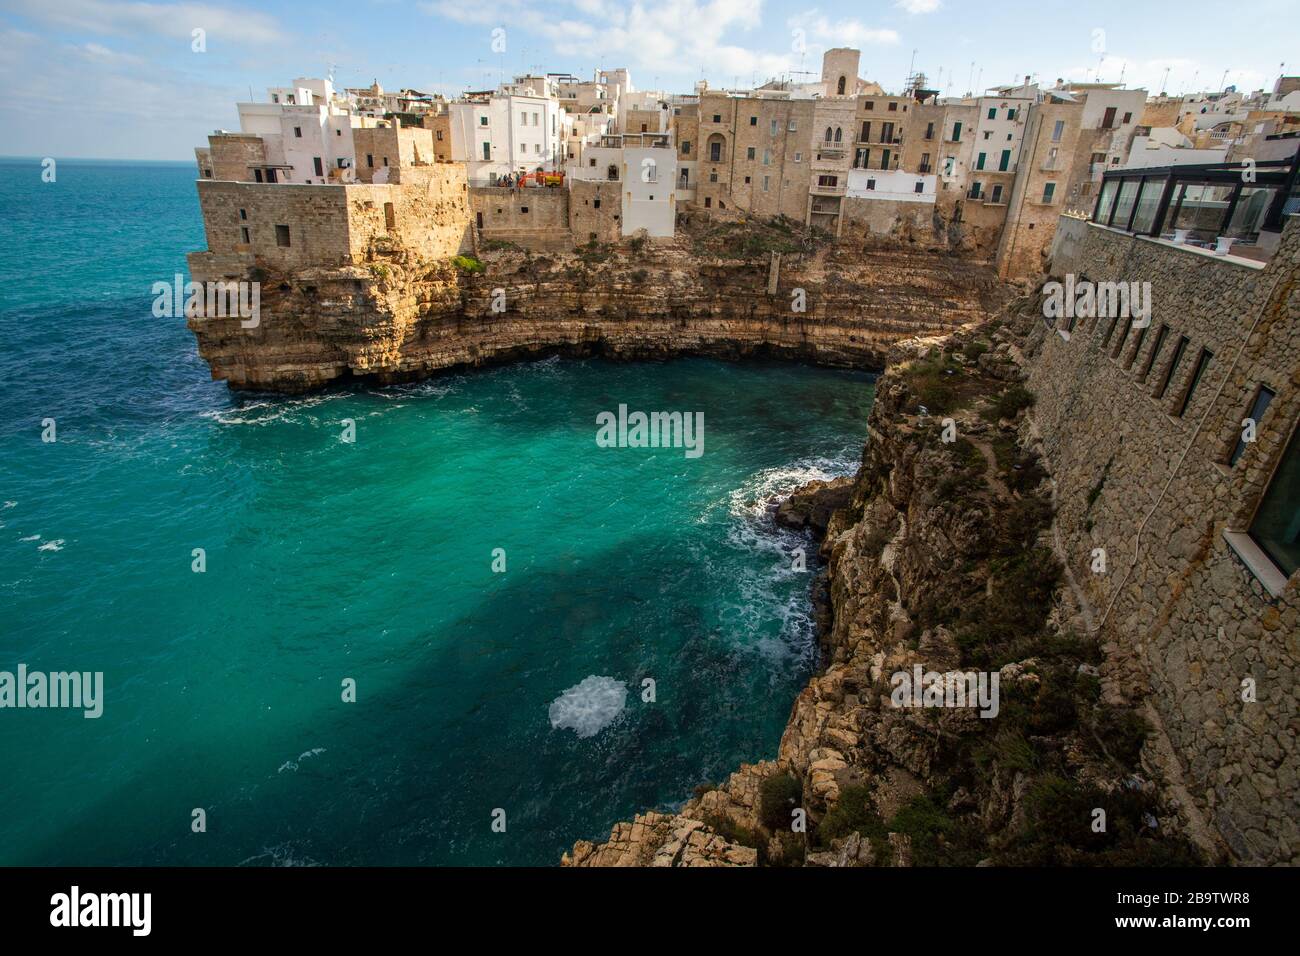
x: 371, y: 560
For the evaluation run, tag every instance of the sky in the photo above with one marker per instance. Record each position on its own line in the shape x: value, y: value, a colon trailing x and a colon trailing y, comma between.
x: 127, y: 79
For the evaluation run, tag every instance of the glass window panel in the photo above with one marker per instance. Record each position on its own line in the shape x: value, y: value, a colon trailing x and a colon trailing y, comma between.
x: 1147, y: 204
x: 1276, y: 527
x: 1202, y: 210
x: 1124, y: 204
x: 1107, y: 200
x: 1252, y: 207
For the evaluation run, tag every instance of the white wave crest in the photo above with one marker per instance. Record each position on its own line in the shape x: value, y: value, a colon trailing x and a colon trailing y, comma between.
x: 589, y: 707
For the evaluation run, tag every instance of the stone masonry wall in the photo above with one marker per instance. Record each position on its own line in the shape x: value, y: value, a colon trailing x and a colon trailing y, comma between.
x: 1190, y: 621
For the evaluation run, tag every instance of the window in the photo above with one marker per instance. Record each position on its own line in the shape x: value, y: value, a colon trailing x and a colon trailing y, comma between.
x: 1137, y: 346
x: 827, y: 180
x: 708, y: 202
x: 487, y: 150
x: 243, y: 235
x: 839, y: 87
x: 317, y: 165
x: 767, y: 157
x: 765, y: 183
x: 1005, y: 161
x: 257, y: 175
x: 747, y: 180
x: 717, y: 118
x: 686, y: 147
x: 929, y: 131
x: 1058, y: 130
x: 893, y: 107
x: 1257, y: 409
x: 753, y: 121
x: 1155, y: 352
x: 866, y: 133
x: 243, y: 214
x: 1179, y: 349
x: 1048, y: 190
x: 595, y: 203
x: 997, y: 193
x: 798, y: 157
x: 993, y: 112
x: 1011, y: 114
x: 979, y: 161
x: 749, y: 152
x: 871, y: 184
x: 1202, y: 363
x: 523, y: 210
x: 920, y: 186
x: 715, y: 151
x: 439, y: 135
x: 884, y: 159
x: 390, y: 217
x: 482, y: 121
x: 1128, y: 118
x: 956, y: 132
x: 282, y: 236
x: 1276, y: 526
x: 792, y: 127
x: 988, y: 134
x: 869, y: 105
x: 1108, y: 121
x: 297, y: 132
x: 370, y: 159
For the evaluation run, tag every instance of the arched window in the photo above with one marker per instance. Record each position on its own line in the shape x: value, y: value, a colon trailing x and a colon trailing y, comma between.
x: 829, y: 134
x: 841, y: 87
x: 839, y: 135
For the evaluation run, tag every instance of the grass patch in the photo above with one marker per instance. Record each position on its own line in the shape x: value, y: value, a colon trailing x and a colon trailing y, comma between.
x: 467, y: 263
x: 778, y: 795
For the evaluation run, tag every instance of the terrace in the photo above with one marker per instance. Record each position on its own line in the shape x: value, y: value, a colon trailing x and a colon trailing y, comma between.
x: 1230, y: 208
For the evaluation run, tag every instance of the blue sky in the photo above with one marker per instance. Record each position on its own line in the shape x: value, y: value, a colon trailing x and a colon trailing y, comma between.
x: 106, y: 78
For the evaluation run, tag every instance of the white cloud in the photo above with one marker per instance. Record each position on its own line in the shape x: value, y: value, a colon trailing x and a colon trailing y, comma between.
x: 918, y: 6
x: 177, y: 20
x: 666, y: 38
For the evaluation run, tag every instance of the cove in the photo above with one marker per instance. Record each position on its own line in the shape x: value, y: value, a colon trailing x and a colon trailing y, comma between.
x: 372, y: 560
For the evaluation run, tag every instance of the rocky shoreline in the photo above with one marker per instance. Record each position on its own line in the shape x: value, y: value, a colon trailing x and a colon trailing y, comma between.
x: 937, y: 554
x: 396, y: 317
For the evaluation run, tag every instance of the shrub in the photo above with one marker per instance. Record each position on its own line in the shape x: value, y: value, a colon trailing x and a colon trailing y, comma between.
x: 778, y: 795
x: 467, y: 264
x: 851, y: 814
x: 974, y: 349
x: 1010, y: 402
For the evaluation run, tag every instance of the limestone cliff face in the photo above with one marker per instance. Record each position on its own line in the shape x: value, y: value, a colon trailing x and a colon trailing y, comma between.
x: 941, y: 558
x: 398, y: 317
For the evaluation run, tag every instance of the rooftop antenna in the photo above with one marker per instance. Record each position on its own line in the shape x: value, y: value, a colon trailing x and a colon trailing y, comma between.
x: 970, y: 78
x: 1164, y: 82
x: 1123, y: 66
x: 1223, y: 82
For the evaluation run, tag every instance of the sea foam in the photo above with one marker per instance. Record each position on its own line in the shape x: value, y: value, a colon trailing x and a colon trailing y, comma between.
x: 590, y: 706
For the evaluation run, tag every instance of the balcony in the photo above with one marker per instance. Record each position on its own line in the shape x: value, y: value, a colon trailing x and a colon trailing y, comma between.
x: 831, y: 152
x: 817, y: 189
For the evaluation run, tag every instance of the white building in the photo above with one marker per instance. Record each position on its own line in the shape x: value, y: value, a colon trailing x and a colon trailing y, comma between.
x: 645, y: 164
x: 307, y: 130
x: 504, y: 133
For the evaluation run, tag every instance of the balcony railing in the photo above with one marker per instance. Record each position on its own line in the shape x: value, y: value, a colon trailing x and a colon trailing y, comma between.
x: 818, y: 189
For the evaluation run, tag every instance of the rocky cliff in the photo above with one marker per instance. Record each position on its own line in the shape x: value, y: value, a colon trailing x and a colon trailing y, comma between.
x: 747, y: 289
x: 938, y: 553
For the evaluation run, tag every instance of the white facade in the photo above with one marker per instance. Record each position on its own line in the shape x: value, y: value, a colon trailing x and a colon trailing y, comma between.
x: 506, y: 133
x: 647, y: 176
x: 307, y: 131
x: 893, y: 184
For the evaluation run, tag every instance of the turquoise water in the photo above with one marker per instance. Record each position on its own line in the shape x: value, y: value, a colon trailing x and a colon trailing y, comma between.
x: 370, y: 560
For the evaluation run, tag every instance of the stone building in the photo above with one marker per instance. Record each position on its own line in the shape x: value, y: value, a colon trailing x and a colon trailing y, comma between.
x: 1176, y: 460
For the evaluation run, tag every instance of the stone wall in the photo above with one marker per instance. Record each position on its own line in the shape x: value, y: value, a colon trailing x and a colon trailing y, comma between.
x: 231, y: 155
x: 316, y: 218
x: 430, y: 214
x: 534, y: 217
x: 1182, y: 615
x: 595, y: 210
x: 427, y: 214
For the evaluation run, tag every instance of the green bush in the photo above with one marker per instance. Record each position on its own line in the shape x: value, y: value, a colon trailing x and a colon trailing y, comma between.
x: 778, y: 795
x: 852, y: 813
x: 467, y: 264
